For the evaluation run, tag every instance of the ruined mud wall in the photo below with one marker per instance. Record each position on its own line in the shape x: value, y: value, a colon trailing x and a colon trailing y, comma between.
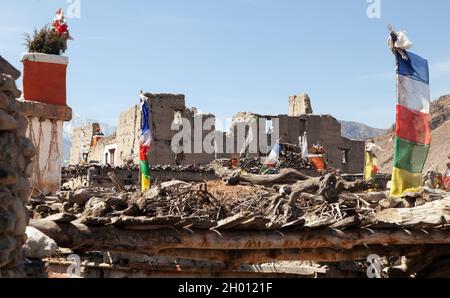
x: 82, y: 141
x: 16, y: 153
x: 97, y: 152
x: 127, y: 136
x: 165, y: 109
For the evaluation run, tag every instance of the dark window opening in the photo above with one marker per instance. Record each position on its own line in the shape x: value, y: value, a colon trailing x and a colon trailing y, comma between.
x: 345, y: 156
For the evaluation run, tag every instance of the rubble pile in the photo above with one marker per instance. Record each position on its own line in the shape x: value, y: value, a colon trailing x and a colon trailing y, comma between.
x: 285, y: 203
x: 16, y: 153
x: 247, y: 219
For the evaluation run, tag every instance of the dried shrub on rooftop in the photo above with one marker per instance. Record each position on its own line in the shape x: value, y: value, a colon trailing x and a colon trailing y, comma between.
x: 46, y: 41
x: 52, y: 39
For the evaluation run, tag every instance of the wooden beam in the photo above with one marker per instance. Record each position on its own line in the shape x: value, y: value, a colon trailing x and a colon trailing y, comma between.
x: 81, y: 237
x: 430, y: 215
x: 326, y: 255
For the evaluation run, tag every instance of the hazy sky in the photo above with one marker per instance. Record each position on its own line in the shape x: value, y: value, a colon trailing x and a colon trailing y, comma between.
x: 237, y: 55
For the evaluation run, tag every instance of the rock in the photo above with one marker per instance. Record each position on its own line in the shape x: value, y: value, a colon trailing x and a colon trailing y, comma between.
x: 391, y: 203
x: 28, y: 170
x: 5, y: 101
x: 19, y: 210
x: 62, y: 217
x: 5, y: 197
x: 7, y: 245
x: 7, y: 122
x: 22, y: 125
x: 22, y: 188
x: 81, y: 196
x: 8, y: 86
x: 7, y: 221
x: 8, y: 149
x: 7, y: 68
x: 38, y: 245
x: 57, y: 207
x: 7, y: 177
x: 28, y: 149
x: 21, y: 163
x: 95, y: 207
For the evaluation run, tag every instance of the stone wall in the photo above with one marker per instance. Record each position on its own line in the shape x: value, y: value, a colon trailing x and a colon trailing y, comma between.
x: 97, y: 152
x: 127, y: 136
x: 163, y: 109
x: 300, y: 105
x: 342, y: 153
x: 82, y: 141
x: 16, y: 153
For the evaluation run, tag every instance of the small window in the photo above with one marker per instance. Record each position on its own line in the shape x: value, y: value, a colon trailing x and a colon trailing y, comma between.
x: 345, y: 156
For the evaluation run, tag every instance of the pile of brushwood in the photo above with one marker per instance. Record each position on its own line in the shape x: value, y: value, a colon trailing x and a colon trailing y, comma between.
x: 286, y: 200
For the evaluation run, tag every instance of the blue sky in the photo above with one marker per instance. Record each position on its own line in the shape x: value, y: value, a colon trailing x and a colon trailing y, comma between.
x: 237, y: 55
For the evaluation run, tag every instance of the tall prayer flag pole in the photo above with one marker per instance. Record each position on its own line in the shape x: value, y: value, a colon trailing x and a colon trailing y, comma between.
x: 412, y: 135
x: 145, y: 141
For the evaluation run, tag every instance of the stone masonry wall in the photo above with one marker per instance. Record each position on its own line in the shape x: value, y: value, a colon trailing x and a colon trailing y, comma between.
x: 16, y: 153
x: 81, y: 141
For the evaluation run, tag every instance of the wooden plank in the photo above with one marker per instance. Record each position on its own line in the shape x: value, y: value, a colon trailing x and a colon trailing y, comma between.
x: 347, y: 222
x: 295, y: 224
x: 143, y: 220
x: 232, y: 221
x: 428, y: 216
x: 325, y: 222
x: 254, y: 223
x: 258, y: 256
x: 303, y: 270
x: 196, y: 223
x: 82, y: 237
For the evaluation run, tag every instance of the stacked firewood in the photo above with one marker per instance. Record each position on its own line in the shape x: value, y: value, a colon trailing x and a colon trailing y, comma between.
x: 291, y: 158
x: 250, y: 165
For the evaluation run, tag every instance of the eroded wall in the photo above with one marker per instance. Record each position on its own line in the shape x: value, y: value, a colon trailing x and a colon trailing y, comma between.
x: 82, y: 141
x: 164, y: 109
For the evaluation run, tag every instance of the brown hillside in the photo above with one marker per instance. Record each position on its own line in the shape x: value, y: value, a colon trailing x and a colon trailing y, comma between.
x: 440, y: 143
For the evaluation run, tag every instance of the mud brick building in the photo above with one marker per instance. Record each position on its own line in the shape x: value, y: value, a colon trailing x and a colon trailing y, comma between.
x: 169, y: 109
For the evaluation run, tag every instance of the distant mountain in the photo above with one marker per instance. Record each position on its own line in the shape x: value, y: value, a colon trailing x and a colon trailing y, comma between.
x: 77, y: 121
x: 360, y: 131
